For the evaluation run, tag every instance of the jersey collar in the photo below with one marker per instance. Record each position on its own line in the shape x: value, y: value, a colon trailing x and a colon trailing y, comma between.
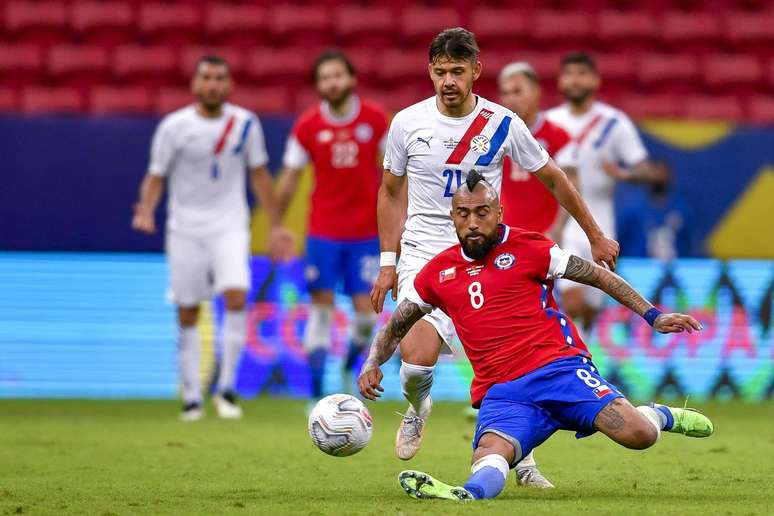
x: 504, y: 232
x: 325, y: 110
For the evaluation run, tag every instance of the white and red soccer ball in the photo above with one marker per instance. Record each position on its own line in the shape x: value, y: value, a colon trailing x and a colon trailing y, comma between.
x: 340, y: 425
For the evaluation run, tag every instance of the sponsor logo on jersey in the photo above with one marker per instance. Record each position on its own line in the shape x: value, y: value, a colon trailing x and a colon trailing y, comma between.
x: 426, y: 140
x: 474, y: 270
x: 325, y: 136
x: 447, y: 274
x: 364, y: 133
x: 451, y: 143
x: 504, y: 261
x: 602, y: 390
x: 479, y: 144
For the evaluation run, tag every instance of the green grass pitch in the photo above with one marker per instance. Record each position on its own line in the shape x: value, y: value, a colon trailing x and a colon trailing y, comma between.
x: 134, y: 457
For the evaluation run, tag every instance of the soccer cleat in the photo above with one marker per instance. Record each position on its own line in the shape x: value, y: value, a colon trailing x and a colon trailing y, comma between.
x: 690, y: 422
x: 424, y: 487
x: 409, y: 436
x: 192, y: 412
x: 471, y: 414
x: 226, y: 405
x: 530, y: 476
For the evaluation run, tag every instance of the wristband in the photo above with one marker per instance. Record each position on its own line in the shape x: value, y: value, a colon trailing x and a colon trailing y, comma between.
x: 388, y: 259
x: 651, y: 315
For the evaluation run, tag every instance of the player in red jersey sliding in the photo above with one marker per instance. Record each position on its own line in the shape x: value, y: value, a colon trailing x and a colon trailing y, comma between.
x: 533, y: 374
x: 343, y: 137
x: 527, y: 203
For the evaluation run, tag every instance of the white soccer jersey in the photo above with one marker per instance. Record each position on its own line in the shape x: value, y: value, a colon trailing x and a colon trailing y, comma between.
x: 601, y: 134
x: 206, y: 160
x: 437, y: 151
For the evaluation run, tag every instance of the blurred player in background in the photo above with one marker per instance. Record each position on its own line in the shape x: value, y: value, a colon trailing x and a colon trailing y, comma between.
x: 527, y: 203
x: 433, y: 143
x: 608, y: 149
x: 343, y: 137
x: 204, y: 150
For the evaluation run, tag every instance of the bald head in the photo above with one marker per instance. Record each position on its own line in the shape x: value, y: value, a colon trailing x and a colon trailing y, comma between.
x: 476, y: 213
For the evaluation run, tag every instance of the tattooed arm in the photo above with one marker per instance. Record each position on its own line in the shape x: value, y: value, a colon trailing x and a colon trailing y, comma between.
x: 383, y: 346
x: 615, y: 286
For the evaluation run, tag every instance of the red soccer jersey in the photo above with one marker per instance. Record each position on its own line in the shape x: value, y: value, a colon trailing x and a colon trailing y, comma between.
x: 527, y: 203
x: 344, y: 153
x: 502, y: 306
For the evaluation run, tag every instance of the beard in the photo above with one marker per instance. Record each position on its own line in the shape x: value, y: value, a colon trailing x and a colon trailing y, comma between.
x: 211, y: 104
x: 577, y: 97
x: 479, y: 250
x: 337, y: 97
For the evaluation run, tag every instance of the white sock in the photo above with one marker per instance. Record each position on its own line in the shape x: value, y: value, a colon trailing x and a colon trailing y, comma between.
x: 234, y: 336
x: 416, y: 381
x: 188, y: 349
x: 528, y: 461
x: 361, y: 328
x: 317, y: 333
x: 654, y: 416
x: 495, y: 461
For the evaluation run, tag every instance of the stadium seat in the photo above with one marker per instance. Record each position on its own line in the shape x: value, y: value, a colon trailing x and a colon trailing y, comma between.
x: 157, y: 62
x: 190, y: 55
x: 367, y: 62
x: 20, y: 58
x: 171, y: 99
x: 625, y: 26
x: 271, y: 100
x: 667, y: 68
x: 372, y: 21
x: 615, y: 67
x: 170, y: 22
x: 301, y: 23
x: 404, y: 65
x: 760, y: 109
x: 272, y: 64
x: 564, y: 25
x: 681, y: 27
x: 38, y: 100
x: 23, y: 16
x: 9, y: 100
x: 649, y: 106
x: 306, y: 98
x: 769, y: 74
x: 742, y: 28
x: 236, y: 23
x: 705, y: 107
x: 394, y: 100
x: 103, y: 21
x: 546, y: 64
x: 731, y: 69
x: 111, y: 100
x: 419, y: 22
x: 65, y: 60
x: 498, y: 27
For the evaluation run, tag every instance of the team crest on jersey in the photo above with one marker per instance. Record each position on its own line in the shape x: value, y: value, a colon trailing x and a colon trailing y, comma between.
x: 479, y: 144
x: 364, y: 133
x: 447, y: 274
x: 504, y: 261
x: 325, y: 136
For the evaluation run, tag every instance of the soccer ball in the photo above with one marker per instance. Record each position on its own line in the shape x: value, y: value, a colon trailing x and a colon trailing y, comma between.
x: 340, y: 425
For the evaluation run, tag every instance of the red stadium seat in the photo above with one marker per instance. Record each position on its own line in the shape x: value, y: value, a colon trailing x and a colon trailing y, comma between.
x: 170, y: 22
x: 678, y: 27
x: 71, y: 59
x: 20, y: 58
x: 305, y: 22
x: 561, y: 25
x: 367, y: 62
x: 760, y: 109
x: 156, y: 62
x: 272, y: 100
x: 649, y: 106
x: 306, y: 98
x: 355, y: 20
x: 662, y: 68
x: 394, y: 100
x: 499, y: 27
x: 51, y: 100
x: 615, y: 67
x: 111, y: 100
x: 745, y: 28
x: 269, y: 63
x: 171, y: 99
x: 705, y: 107
x: 190, y: 55
x: 405, y: 65
x: 769, y: 74
x: 546, y: 64
x: 25, y: 16
x: 9, y: 100
x: 236, y: 22
x: 625, y: 26
x: 112, y: 21
x: 731, y: 69
x: 425, y: 22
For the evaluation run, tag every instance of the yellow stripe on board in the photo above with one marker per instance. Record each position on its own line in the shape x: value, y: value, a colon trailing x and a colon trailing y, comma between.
x: 295, y: 218
x: 686, y: 134
x: 206, y: 329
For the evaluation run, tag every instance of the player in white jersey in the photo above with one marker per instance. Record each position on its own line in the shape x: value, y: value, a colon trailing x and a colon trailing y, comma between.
x: 203, y: 151
x: 432, y: 145
x: 609, y: 149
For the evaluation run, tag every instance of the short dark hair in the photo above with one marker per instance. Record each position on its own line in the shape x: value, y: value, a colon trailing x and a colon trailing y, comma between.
x: 457, y: 44
x: 582, y: 58
x: 213, y: 60
x: 332, y: 54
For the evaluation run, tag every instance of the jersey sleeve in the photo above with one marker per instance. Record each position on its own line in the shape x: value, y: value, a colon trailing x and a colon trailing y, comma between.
x: 523, y: 148
x: 295, y: 156
x: 546, y: 260
x: 162, y: 150
x: 395, y: 153
x: 627, y: 144
x: 422, y: 294
x: 255, y: 146
x: 557, y: 264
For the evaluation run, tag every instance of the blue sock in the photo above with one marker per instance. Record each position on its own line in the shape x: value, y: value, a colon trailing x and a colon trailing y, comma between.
x: 487, y: 482
x: 354, y: 353
x: 317, y: 368
x: 669, y: 419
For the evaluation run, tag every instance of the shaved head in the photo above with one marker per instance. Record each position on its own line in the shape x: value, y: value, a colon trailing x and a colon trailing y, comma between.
x: 476, y: 213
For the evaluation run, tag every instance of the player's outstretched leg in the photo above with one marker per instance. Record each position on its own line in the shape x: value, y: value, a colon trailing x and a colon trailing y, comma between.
x: 424, y: 487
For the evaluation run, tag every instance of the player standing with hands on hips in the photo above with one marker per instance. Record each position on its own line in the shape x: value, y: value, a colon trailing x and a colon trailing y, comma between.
x: 203, y: 151
x: 431, y: 145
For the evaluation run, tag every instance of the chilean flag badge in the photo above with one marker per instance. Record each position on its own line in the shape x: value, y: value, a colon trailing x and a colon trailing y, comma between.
x: 447, y: 274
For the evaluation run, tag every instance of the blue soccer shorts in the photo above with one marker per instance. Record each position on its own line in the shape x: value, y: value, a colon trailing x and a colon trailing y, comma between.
x: 352, y: 264
x: 566, y: 394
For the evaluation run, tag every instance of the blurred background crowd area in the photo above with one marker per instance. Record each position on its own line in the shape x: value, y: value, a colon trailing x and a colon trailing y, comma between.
x: 691, y: 59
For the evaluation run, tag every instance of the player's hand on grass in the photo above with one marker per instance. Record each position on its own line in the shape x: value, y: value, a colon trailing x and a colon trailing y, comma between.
x: 370, y: 380
x: 386, y: 281
x: 282, y: 244
x: 143, y: 220
x: 605, y: 251
x: 676, y: 323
